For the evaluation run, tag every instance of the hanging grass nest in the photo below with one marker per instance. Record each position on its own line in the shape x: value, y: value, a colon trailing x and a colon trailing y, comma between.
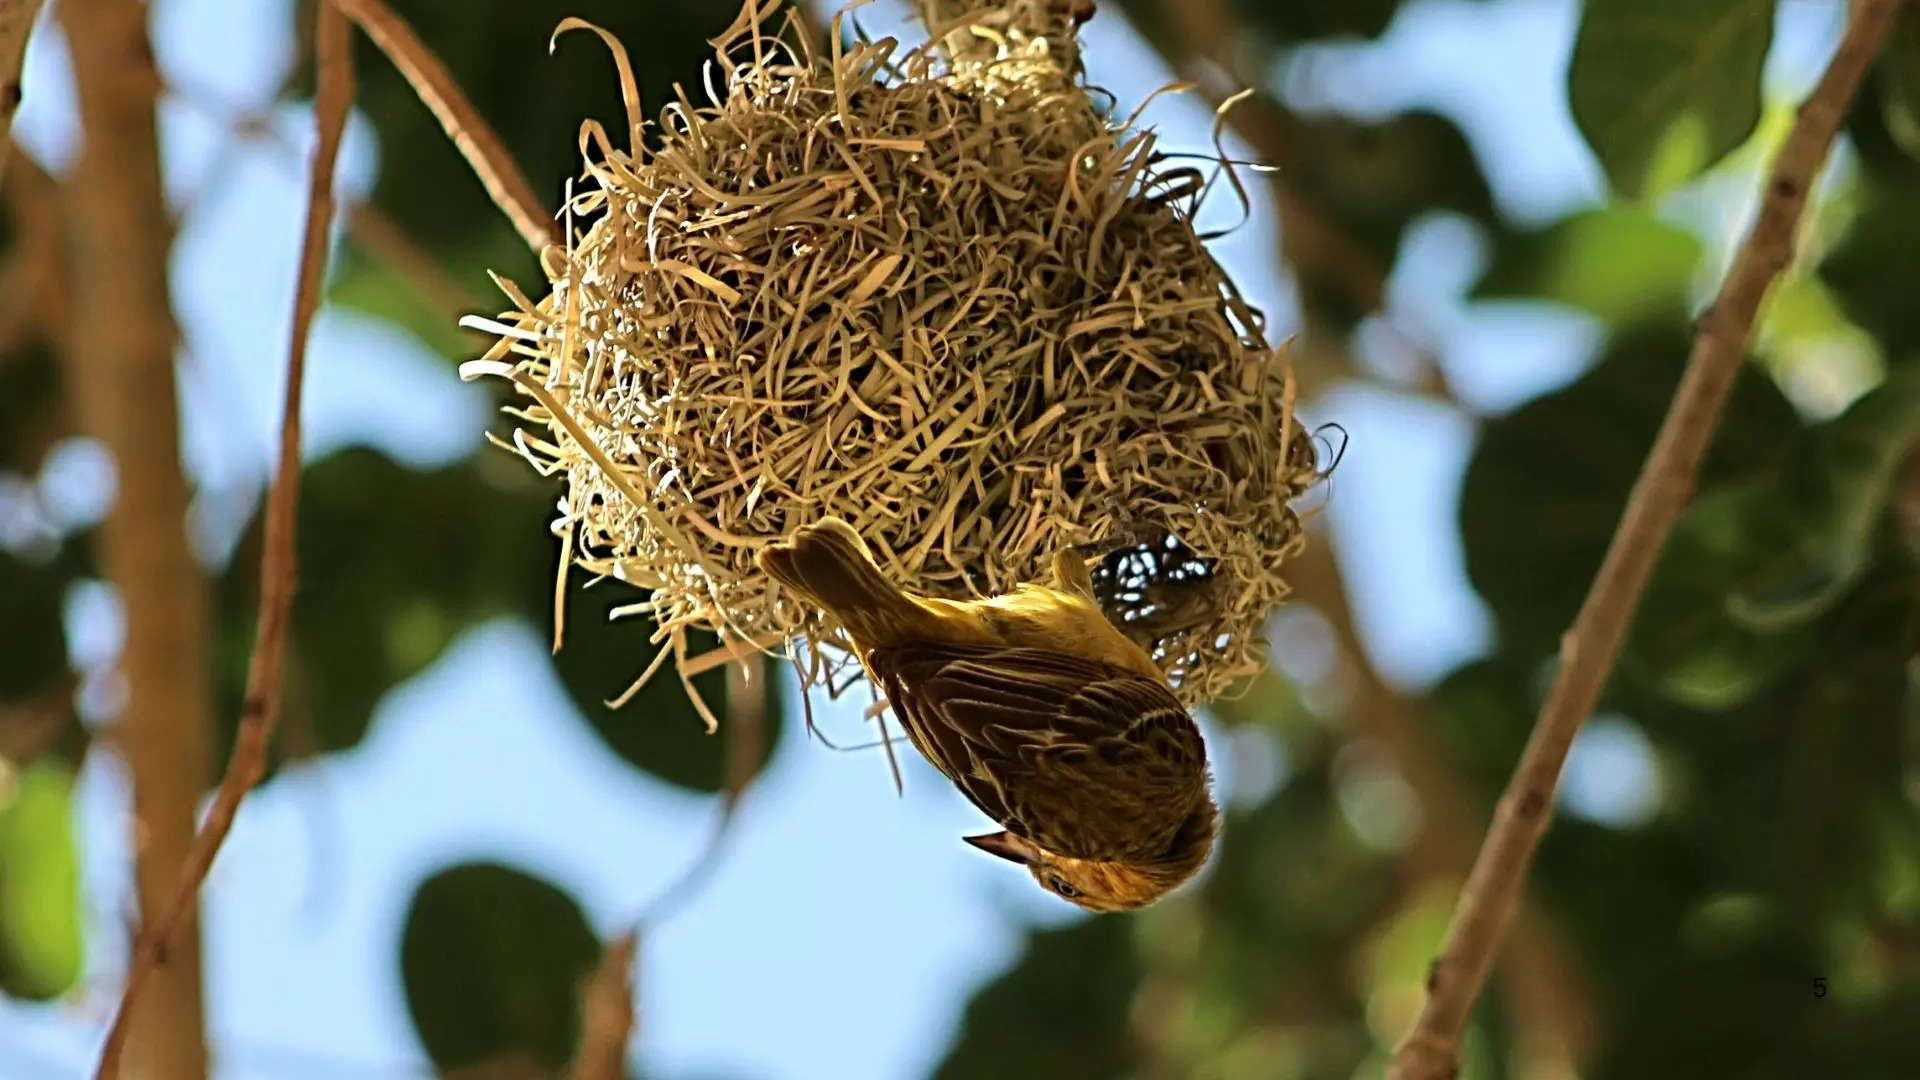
x: 936, y: 294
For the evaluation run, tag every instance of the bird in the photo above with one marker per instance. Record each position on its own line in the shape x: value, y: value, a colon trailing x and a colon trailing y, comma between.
x: 1044, y: 715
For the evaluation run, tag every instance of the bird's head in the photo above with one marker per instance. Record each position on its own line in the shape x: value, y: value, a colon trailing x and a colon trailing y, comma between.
x: 1102, y: 885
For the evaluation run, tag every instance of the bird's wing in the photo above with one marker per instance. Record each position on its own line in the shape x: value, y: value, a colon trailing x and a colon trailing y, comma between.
x: 1084, y: 758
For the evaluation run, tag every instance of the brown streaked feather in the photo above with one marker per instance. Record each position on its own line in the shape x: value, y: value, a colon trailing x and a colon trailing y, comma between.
x: 1082, y: 757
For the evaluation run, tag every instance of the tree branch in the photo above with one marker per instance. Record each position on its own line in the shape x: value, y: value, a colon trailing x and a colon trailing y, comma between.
x: 1206, y: 53
x: 370, y: 228
x: 477, y: 142
x: 261, y: 705
x: 1543, y: 986
x: 1666, y: 481
x: 746, y: 749
x: 122, y: 381
x: 606, y: 1013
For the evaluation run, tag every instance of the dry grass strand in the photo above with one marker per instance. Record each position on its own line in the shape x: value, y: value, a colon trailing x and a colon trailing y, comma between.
x: 947, y: 301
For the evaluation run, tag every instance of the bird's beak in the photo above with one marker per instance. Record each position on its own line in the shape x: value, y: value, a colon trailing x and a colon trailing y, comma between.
x: 1006, y: 845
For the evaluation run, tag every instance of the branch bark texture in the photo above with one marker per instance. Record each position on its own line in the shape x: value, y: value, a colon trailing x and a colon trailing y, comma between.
x: 1666, y: 482
x: 170, y: 888
x: 123, y: 383
x: 506, y: 184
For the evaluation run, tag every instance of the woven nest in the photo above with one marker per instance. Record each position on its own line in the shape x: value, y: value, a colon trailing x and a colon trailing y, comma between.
x: 945, y: 299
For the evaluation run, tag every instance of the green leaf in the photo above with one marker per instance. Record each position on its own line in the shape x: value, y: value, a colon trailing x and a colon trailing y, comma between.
x: 41, y: 944
x: 1871, y: 271
x: 496, y: 51
x: 1664, y: 88
x: 368, y: 285
x: 1481, y: 713
x: 1376, y: 178
x: 1548, y: 482
x: 394, y: 563
x: 493, y: 960
x: 1619, y: 263
x: 1752, y: 566
x: 658, y: 730
x: 1824, y: 740
x: 1296, y: 22
x: 1899, y: 82
x: 1081, y: 978
x: 1685, y: 641
x: 1827, y: 506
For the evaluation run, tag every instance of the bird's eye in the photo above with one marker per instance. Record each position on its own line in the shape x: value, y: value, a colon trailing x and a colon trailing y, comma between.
x: 1060, y: 886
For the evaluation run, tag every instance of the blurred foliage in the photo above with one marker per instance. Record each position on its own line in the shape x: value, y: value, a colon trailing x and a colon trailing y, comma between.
x: 494, y: 961
x: 1770, y: 667
x: 1665, y: 88
x: 30, y: 414
x: 396, y: 563
x: 1883, y: 238
x: 1899, y: 82
x: 1087, y: 974
x: 498, y: 54
x: 1548, y: 481
x: 1617, y: 263
x: 1375, y: 178
x: 40, y: 912
x: 1753, y: 566
x: 1286, y: 23
x: 35, y: 582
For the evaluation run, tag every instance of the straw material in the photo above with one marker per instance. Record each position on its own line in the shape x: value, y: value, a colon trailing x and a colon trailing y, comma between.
x: 944, y: 300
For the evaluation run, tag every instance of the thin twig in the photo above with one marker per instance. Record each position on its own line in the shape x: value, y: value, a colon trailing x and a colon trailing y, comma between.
x: 606, y: 1013
x: 260, y: 708
x: 607, y: 1017
x: 1588, y: 651
x: 1206, y: 51
x: 370, y: 228
x: 476, y: 140
x: 1542, y: 984
x: 16, y: 23
x: 746, y: 747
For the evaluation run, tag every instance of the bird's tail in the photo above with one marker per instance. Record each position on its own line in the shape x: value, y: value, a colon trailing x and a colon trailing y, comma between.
x: 829, y: 564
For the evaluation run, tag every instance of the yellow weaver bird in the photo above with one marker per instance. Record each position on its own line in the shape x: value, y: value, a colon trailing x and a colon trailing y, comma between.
x: 1040, y: 711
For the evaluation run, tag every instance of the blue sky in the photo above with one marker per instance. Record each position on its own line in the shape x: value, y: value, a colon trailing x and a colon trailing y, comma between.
x: 846, y: 927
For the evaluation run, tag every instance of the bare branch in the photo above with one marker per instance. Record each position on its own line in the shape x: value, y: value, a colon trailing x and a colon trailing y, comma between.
x: 477, y: 142
x: 370, y: 228
x: 1543, y: 985
x: 606, y: 1013
x: 1666, y: 481
x: 121, y: 376
x: 746, y: 747
x: 261, y: 705
x: 1207, y: 53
